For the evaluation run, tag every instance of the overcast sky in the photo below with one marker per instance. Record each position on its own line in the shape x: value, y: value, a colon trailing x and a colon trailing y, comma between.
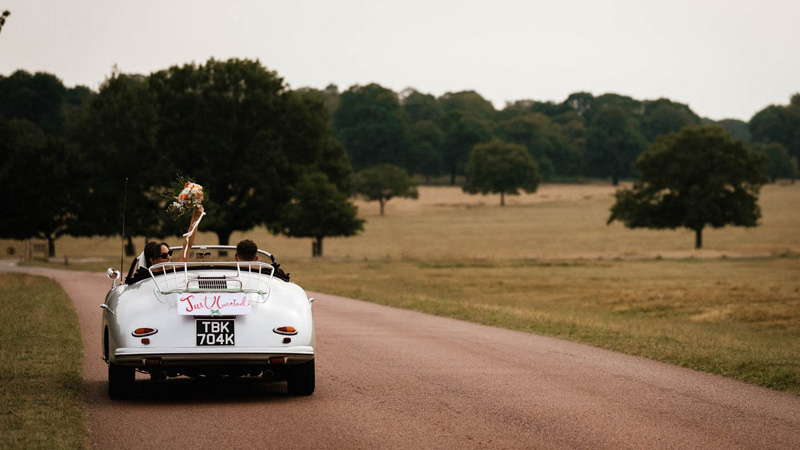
x: 724, y: 58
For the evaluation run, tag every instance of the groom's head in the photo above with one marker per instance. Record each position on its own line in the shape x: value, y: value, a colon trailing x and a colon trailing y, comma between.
x: 246, y: 250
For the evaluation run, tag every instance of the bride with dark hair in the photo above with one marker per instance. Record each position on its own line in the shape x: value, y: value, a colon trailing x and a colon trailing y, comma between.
x: 159, y: 252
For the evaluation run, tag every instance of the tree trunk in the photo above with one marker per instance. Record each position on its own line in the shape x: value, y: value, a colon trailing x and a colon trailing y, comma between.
x: 224, y: 237
x: 51, y: 246
x: 316, y: 247
x: 382, y: 203
x: 453, y: 176
x: 130, y: 250
x: 615, y: 180
x: 502, y: 199
x: 698, y: 238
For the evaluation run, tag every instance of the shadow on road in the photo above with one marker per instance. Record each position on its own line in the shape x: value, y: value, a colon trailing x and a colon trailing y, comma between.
x: 186, y: 390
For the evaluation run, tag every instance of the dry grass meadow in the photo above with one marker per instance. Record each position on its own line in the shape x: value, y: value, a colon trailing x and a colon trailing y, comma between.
x: 548, y: 263
x: 557, y: 222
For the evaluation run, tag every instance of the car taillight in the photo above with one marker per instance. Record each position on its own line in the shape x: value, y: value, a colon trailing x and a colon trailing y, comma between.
x: 289, y: 331
x: 140, y: 332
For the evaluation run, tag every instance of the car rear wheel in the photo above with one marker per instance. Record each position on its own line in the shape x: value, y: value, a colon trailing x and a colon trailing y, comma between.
x: 301, y: 379
x: 120, y: 381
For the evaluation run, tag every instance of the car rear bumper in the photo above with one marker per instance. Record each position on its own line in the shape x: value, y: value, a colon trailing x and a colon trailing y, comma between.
x: 216, y: 356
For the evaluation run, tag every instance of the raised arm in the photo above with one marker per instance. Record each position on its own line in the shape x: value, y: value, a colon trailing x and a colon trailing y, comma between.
x: 188, y: 240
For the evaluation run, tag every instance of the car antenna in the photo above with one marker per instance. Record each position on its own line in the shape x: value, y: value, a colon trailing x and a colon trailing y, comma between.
x: 124, y: 205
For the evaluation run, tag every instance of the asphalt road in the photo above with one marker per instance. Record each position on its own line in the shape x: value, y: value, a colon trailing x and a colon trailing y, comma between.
x: 389, y: 378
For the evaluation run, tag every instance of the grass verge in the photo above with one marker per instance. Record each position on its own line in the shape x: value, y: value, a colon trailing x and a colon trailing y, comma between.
x: 734, y: 317
x: 41, y: 381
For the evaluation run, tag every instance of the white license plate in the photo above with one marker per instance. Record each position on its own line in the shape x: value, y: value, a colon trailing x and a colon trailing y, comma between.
x: 215, y: 332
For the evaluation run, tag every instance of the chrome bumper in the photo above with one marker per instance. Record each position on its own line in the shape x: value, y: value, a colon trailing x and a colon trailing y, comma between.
x: 211, y: 355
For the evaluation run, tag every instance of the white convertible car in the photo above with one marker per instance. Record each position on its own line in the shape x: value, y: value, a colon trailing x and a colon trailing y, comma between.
x: 208, y: 318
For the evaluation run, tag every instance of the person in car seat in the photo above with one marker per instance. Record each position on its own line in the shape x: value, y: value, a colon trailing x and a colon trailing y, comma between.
x: 159, y: 252
x: 246, y: 250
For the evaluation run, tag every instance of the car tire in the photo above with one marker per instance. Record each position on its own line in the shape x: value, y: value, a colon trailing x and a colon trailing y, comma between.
x: 301, y: 379
x: 120, y: 381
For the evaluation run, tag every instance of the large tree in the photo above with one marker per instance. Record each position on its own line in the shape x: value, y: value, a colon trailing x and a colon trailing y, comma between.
x: 40, y: 183
x: 581, y: 102
x: 383, y: 183
x: 467, y: 119
x: 468, y: 103
x: 118, y: 127
x: 461, y: 133
x: 42, y: 175
x: 779, y: 123
x: 548, y: 142
x: 630, y: 105
x: 663, y: 116
x: 372, y: 126
x: 236, y: 129
x: 779, y: 163
x: 738, y: 129
x: 38, y: 98
x: 696, y: 178
x: 421, y: 107
x: 613, y: 141
x: 425, y: 152
x: 499, y: 167
x: 319, y: 210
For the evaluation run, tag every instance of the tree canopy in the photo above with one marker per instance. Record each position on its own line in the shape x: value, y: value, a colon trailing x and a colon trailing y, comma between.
x: 779, y: 164
x: 235, y: 127
x: 663, y: 116
x: 383, y: 183
x: 42, y: 175
x: 38, y: 174
x: 779, y: 123
x: 500, y: 167
x: 118, y: 128
x: 37, y: 97
x: 696, y: 178
x: 319, y: 210
x: 371, y: 124
x: 613, y: 141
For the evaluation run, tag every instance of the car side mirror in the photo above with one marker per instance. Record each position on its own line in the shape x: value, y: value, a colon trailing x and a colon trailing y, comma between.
x: 113, y: 274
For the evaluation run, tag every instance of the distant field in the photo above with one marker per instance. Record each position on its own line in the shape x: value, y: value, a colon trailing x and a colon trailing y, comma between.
x: 559, y: 221
x: 547, y: 263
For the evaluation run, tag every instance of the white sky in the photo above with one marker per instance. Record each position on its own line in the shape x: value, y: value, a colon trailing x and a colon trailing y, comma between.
x: 724, y: 58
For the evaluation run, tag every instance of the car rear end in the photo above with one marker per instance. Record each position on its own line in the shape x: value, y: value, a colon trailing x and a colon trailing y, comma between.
x: 213, y: 320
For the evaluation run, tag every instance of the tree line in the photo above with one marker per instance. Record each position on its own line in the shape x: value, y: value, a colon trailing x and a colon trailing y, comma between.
x: 583, y: 136
x: 72, y: 159
x: 269, y: 155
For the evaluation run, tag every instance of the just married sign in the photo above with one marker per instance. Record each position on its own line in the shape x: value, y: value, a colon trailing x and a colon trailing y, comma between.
x: 214, y: 304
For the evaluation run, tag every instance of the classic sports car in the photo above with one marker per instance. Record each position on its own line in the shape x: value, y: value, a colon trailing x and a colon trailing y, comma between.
x: 208, y: 318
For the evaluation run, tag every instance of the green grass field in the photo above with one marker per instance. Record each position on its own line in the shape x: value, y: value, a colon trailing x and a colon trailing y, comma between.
x: 41, y: 381
x: 548, y: 263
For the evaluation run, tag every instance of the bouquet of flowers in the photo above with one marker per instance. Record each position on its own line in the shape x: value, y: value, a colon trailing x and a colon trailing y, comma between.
x: 186, y: 197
